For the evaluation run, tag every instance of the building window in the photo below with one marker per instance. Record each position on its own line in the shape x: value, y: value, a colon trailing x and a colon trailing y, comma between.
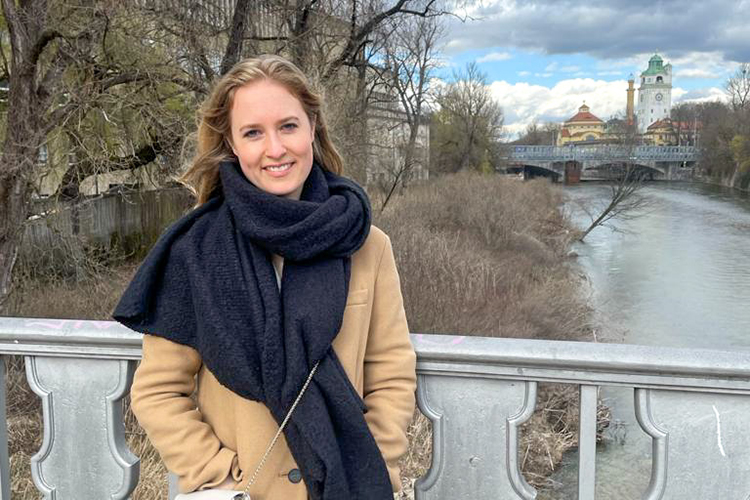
x: 659, y: 79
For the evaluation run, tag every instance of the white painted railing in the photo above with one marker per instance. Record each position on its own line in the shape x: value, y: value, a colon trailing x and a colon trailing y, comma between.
x: 477, y: 391
x: 603, y: 152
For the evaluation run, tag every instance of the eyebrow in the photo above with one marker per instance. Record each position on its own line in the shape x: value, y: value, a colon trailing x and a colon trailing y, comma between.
x: 254, y: 125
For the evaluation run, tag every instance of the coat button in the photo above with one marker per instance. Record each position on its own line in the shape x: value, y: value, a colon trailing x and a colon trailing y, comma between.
x: 294, y: 476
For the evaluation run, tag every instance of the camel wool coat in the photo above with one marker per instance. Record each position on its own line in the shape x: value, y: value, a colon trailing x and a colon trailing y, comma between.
x: 216, y: 433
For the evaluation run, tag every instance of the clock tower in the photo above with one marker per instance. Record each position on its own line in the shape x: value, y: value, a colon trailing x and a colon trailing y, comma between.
x: 655, y: 93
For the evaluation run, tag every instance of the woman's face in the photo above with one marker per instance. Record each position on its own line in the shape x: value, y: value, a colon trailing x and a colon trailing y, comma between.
x: 272, y: 137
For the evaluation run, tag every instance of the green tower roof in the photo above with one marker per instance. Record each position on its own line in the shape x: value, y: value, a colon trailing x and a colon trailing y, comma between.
x: 655, y: 65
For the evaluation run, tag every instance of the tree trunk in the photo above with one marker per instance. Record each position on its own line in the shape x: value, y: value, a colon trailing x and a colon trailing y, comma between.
x: 408, y: 161
x: 24, y: 132
x: 16, y: 170
x: 13, y: 203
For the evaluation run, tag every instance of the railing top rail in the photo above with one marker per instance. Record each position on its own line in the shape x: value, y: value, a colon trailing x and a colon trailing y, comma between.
x: 584, y: 356
x: 604, y: 151
x: 68, y: 338
x: 557, y: 360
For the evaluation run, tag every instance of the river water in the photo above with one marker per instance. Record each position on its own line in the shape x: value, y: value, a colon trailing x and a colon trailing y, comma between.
x: 676, y: 275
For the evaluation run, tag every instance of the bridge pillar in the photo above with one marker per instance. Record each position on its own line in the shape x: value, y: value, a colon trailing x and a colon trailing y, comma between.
x: 572, y: 172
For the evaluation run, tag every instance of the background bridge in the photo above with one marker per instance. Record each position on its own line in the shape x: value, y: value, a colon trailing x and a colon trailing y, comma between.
x: 573, y: 163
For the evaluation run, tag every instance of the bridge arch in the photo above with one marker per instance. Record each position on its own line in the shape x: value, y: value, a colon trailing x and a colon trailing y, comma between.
x: 610, y: 169
x: 537, y: 169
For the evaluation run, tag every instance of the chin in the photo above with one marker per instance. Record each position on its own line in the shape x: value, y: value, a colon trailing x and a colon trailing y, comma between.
x: 283, y: 191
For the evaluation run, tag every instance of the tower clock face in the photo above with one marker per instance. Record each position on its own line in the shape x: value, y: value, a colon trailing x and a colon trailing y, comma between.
x: 659, y: 96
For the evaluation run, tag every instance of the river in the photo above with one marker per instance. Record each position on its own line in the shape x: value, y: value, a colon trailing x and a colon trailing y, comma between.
x: 676, y: 275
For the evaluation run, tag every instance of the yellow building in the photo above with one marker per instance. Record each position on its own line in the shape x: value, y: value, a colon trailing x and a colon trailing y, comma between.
x: 668, y: 132
x: 581, y: 128
x: 660, y: 133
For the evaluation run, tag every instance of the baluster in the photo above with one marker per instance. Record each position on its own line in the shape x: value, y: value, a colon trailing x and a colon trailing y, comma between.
x: 475, y: 437
x: 4, y: 460
x: 701, y: 447
x: 660, y: 442
x: 83, y: 453
x: 587, y: 443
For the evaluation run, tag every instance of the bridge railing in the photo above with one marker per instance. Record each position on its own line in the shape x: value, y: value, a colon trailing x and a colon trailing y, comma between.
x: 603, y: 152
x: 694, y: 404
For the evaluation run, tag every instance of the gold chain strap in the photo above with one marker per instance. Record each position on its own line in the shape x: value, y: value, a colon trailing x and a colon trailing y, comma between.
x: 245, y: 495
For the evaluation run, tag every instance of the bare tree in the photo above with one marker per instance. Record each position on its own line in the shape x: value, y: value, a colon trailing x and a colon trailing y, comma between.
x: 113, y: 86
x: 738, y: 88
x: 625, y: 202
x: 470, y: 120
x: 40, y: 52
x: 82, y: 89
x: 409, y: 64
x: 626, y: 180
x: 546, y: 134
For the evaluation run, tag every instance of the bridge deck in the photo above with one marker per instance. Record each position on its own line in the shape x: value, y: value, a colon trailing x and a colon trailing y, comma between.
x: 603, y: 153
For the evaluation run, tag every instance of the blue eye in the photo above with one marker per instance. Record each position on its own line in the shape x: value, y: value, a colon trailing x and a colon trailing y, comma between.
x: 289, y: 126
x: 251, y: 133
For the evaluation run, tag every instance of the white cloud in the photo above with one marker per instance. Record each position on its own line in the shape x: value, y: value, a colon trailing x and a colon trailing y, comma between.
x: 495, y: 56
x: 551, y: 67
x: 608, y: 73
x: 543, y: 75
x: 700, y: 95
x: 524, y: 103
x: 523, y: 73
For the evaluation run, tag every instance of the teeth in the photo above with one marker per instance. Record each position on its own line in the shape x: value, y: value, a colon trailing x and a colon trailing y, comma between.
x: 280, y: 167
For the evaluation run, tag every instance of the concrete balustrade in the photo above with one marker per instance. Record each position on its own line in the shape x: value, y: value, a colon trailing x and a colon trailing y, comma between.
x: 477, y: 391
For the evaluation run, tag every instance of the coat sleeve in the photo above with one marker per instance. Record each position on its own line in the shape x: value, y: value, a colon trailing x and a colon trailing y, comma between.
x: 162, y: 403
x: 390, y: 377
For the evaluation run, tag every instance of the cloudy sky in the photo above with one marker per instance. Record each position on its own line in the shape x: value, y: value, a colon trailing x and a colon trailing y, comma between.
x: 543, y: 58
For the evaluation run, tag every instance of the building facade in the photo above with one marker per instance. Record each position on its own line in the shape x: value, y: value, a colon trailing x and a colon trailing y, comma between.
x: 654, y: 94
x: 581, y: 127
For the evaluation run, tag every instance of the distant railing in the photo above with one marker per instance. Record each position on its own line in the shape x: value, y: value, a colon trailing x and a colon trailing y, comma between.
x: 477, y: 391
x: 603, y: 152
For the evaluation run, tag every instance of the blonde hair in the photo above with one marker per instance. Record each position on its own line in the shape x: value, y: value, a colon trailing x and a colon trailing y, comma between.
x: 214, y: 127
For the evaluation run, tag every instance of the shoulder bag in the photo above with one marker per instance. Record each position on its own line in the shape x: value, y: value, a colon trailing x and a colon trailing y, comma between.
x: 217, y: 494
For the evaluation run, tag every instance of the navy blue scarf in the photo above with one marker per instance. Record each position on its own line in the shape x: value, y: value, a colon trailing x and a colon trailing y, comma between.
x: 209, y: 283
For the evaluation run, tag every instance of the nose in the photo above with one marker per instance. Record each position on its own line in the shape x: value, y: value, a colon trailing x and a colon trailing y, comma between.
x: 274, y: 146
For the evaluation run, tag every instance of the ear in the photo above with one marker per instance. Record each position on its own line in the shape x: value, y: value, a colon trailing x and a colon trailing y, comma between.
x: 228, y: 141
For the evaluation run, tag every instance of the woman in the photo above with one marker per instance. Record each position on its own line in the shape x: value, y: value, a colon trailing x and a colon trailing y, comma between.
x: 276, y: 272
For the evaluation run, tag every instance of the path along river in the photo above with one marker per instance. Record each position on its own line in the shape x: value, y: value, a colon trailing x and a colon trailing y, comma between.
x: 678, y: 275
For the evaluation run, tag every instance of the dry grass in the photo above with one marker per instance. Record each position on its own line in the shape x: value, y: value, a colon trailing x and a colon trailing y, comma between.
x: 478, y: 255
x: 487, y: 255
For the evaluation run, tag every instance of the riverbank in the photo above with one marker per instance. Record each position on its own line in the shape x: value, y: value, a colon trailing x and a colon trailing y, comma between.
x: 676, y: 275
x: 738, y: 181
x: 488, y: 255
x: 477, y: 255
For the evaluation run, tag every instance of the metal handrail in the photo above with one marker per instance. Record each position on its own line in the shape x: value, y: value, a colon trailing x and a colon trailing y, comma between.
x: 483, y: 386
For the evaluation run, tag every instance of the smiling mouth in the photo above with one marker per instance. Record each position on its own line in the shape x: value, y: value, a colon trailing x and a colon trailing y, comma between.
x: 278, y: 168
